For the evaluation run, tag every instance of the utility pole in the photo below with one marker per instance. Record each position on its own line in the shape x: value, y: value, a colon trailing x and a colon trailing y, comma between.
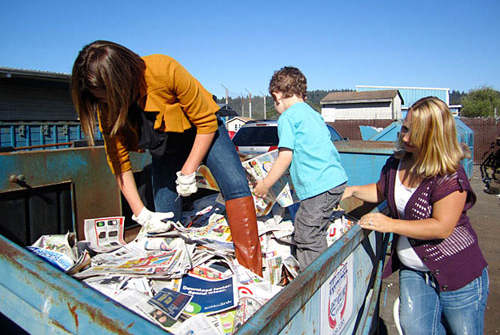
x: 249, y: 103
x: 242, y: 105
x: 227, y: 98
x: 264, y: 104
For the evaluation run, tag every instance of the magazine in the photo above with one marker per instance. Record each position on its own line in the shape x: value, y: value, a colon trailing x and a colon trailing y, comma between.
x: 171, y: 302
x: 209, y: 296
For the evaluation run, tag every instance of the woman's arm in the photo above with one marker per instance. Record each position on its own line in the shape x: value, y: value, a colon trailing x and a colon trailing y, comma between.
x: 127, y: 185
x: 445, y: 215
x: 198, y: 152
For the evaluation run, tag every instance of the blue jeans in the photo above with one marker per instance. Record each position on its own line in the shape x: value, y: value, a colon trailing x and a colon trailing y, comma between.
x: 222, y: 160
x: 424, y: 309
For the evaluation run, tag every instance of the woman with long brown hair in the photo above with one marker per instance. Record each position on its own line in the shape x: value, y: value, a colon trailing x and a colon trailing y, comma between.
x: 443, y: 275
x: 153, y: 103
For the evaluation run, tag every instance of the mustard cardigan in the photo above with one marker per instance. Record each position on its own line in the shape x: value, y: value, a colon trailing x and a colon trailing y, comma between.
x: 178, y: 97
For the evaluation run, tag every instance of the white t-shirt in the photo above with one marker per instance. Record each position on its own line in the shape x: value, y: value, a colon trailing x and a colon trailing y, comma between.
x: 406, y: 254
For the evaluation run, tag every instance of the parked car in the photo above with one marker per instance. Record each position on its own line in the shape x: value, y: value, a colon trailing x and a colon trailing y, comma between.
x: 257, y: 137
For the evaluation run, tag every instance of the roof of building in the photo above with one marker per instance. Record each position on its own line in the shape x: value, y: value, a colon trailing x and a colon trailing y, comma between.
x: 402, y: 87
x: 240, y: 118
x: 7, y: 72
x: 357, y: 97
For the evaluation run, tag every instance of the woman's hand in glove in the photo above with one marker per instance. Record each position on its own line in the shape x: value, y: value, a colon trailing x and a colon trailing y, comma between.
x: 186, y: 185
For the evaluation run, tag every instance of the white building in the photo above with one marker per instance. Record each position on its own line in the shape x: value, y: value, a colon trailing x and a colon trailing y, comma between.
x: 234, y: 124
x: 369, y: 105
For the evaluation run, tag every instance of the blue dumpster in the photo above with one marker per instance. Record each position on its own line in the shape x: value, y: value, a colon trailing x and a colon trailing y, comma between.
x: 338, y: 293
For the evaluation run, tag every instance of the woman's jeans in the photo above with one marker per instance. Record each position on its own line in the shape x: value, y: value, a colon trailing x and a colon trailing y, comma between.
x: 424, y: 309
x: 222, y: 160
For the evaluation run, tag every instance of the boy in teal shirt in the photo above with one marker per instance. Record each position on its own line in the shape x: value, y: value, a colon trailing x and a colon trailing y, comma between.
x: 306, y: 148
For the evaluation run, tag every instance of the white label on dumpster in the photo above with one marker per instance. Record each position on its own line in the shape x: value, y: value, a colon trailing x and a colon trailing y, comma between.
x: 337, y: 299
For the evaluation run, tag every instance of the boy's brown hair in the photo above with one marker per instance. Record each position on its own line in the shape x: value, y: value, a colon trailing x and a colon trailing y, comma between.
x: 289, y: 81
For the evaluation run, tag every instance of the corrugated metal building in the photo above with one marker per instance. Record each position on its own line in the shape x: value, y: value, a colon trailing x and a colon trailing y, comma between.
x: 36, y: 110
x: 27, y: 95
x: 369, y: 105
x: 410, y: 94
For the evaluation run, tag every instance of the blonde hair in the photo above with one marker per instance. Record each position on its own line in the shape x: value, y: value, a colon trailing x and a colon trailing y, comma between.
x: 433, y: 132
x: 111, y: 67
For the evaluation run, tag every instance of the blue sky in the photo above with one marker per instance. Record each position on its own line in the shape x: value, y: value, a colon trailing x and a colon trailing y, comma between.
x: 239, y: 44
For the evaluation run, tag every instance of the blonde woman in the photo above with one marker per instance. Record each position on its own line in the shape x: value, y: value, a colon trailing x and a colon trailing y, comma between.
x: 443, y: 275
x: 153, y: 103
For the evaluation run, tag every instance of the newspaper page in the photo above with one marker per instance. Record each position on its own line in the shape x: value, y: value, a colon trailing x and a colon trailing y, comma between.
x: 60, y: 251
x: 105, y: 234
x: 199, y: 324
x: 154, y: 314
x: 59, y: 260
x: 215, y: 235
x: 247, y: 307
x: 64, y: 244
x: 282, y: 191
x: 205, y: 179
x: 156, y: 265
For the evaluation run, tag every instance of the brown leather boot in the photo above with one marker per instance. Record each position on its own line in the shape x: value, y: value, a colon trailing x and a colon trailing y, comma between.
x: 242, y: 221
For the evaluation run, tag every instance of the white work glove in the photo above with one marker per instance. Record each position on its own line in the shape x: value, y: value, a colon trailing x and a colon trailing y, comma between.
x: 153, y: 222
x: 186, y: 185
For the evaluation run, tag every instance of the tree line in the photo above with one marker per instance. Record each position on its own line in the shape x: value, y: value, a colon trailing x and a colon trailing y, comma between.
x: 254, y: 108
x: 480, y: 102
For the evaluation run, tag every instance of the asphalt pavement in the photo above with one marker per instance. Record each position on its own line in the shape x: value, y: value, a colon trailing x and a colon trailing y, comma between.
x: 485, y: 218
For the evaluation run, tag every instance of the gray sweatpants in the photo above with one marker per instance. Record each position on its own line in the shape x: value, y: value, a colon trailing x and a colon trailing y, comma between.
x: 311, y: 223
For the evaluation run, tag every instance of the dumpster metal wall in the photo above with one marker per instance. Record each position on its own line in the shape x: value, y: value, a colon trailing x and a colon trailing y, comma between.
x: 30, y: 213
x: 363, y: 160
x: 43, y: 300
x: 303, y: 307
x: 390, y: 134
x: 94, y: 191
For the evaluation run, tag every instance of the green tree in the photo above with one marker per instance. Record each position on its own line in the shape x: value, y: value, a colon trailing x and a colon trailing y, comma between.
x: 481, y: 102
x: 456, y: 96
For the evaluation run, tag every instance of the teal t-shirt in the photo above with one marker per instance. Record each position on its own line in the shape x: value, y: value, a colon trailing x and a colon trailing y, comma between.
x: 315, y: 166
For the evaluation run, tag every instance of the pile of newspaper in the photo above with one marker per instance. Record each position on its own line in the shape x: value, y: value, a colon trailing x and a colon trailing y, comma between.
x: 186, y: 279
